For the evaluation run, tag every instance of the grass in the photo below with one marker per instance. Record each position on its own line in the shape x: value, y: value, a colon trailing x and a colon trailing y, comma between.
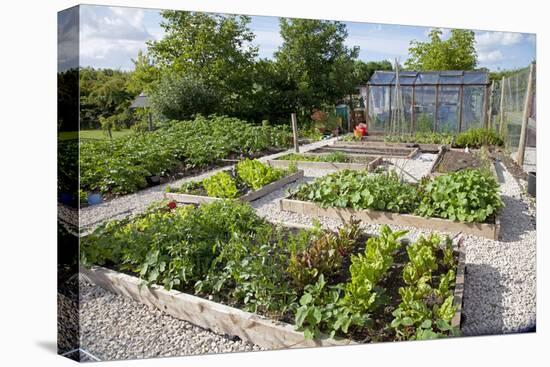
x: 93, y: 134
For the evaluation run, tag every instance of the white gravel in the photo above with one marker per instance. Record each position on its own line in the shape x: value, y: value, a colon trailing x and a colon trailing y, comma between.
x: 114, y: 327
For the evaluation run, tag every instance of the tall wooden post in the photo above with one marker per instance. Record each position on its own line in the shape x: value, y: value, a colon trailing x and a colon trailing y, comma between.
x: 367, y: 106
x: 295, y: 132
x: 501, y: 107
x: 485, y: 119
x: 492, y: 90
x: 526, y: 113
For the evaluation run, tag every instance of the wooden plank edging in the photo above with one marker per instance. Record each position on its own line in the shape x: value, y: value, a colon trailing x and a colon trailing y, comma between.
x: 486, y: 230
x: 459, y: 285
x: 209, y: 315
x: 251, y: 196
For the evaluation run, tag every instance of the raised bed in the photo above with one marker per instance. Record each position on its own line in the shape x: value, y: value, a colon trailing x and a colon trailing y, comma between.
x: 228, y: 320
x: 486, y: 230
x: 428, y: 148
x: 446, y: 153
x: 370, y: 166
x: 358, y: 151
x: 250, y: 196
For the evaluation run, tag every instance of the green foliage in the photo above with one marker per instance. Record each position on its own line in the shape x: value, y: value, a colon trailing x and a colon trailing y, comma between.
x: 425, y: 312
x: 421, y: 138
x: 104, y: 93
x: 247, y: 175
x: 368, y: 269
x: 120, y: 166
x: 469, y: 195
x: 256, y: 174
x: 323, y: 256
x: 180, y: 97
x: 455, y: 53
x: 476, y: 138
x: 321, y: 312
x: 360, y: 190
x: 316, y: 61
x: 221, y: 185
x: 334, y: 157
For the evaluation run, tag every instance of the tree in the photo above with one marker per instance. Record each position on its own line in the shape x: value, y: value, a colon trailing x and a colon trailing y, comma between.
x: 180, y: 97
x: 145, y: 74
x: 317, y: 64
x: 217, y: 49
x: 456, y: 53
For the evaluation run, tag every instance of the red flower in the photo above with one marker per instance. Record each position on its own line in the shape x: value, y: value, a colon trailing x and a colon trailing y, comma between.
x: 172, y: 205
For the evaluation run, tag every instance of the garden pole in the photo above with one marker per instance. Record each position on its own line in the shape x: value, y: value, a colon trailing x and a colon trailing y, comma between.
x: 526, y: 114
x: 491, y: 104
x: 295, y: 132
x: 485, y: 121
x: 501, y: 113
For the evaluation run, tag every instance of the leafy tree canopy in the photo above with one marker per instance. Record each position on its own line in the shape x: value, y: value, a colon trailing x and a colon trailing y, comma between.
x: 455, y: 53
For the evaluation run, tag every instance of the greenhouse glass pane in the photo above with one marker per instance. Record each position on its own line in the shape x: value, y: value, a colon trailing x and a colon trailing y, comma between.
x: 424, y: 109
x: 448, y: 109
x: 379, y: 108
x: 382, y: 77
x: 450, y: 80
x: 472, y: 107
x: 476, y: 78
x: 427, y: 78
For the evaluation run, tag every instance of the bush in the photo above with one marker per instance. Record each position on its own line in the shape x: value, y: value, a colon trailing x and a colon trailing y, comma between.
x: 179, y: 97
x: 476, y: 138
x: 469, y: 195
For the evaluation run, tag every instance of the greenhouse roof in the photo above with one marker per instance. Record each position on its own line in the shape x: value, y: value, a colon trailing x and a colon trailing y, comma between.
x: 446, y: 77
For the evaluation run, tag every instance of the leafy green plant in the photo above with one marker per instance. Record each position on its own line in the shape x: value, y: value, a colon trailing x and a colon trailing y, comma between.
x: 476, y: 138
x: 256, y: 174
x: 421, y: 138
x: 469, y: 195
x: 360, y: 190
x: 321, y: 312
x: 367, y: 270
x: 425, y: 312
x: 221, y: 185
x: 334, y: 157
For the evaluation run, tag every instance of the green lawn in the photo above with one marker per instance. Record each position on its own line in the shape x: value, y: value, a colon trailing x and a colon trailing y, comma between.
x: 93, y: 134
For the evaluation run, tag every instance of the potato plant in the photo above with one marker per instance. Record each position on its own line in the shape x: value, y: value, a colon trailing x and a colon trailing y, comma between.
x: 120, y: 166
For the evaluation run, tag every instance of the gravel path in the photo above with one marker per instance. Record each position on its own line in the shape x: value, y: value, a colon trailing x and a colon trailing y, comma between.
x: 116, y: 327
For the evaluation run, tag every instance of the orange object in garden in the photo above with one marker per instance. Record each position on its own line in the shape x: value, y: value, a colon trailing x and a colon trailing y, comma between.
x: 360, y: 130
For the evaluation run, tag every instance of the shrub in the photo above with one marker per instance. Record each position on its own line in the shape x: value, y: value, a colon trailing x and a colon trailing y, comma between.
x: 476, y: 138
x: 469, y: 195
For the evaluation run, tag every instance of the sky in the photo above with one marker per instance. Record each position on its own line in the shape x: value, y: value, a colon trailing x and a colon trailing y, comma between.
x: 110, y: 37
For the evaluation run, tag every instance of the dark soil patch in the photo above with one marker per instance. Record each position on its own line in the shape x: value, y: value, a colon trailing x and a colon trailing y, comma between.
x: 454, y: 160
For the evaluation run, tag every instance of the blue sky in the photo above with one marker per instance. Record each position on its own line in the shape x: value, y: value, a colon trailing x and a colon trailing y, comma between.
x: 111, y: 37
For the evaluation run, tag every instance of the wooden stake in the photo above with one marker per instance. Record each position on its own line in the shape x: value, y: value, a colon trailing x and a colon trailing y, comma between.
x: 295, y: 132
x: 501, y: 112
x: 460, y: 107
x: 485, y: 120
x: 492, y: 90
x: 526, y: 113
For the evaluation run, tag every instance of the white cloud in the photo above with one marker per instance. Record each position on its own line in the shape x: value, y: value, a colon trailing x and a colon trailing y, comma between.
x: 490, y: 56
x: 486, y: 40
x: 112, y: 36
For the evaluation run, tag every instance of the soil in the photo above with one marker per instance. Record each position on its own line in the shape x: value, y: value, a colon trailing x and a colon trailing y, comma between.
x: 454, y: 160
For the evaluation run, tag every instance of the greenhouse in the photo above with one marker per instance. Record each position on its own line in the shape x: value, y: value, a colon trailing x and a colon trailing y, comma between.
x: 402, y: 102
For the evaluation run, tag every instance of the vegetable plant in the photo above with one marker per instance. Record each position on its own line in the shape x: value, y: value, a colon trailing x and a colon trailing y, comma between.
x: 478, y: 137
x: 468, y: 195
